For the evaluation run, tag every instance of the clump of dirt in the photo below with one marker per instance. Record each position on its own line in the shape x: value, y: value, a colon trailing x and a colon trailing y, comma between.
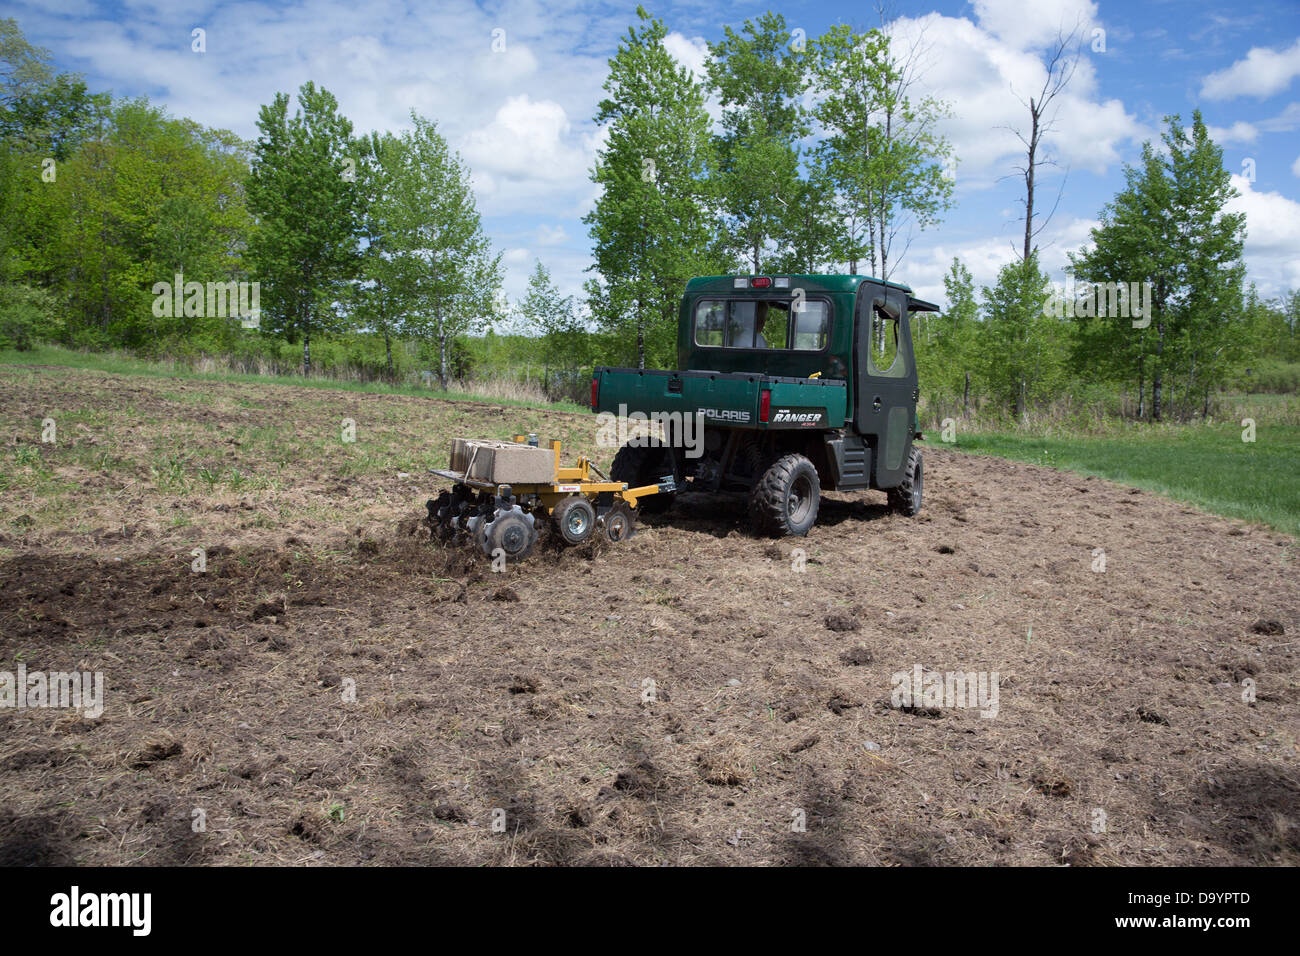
x: 161, y: 746
x: 838, y: 704
x: 642, y: 780
x: 274, y: 610
x: 1149, y: 716
x: 524, y: 684
x: 840, y: 621
x: 1050, y: 781
x: 858, y: 656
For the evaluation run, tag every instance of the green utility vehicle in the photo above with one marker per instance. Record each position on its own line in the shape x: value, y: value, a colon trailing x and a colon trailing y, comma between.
x: 787, y: 385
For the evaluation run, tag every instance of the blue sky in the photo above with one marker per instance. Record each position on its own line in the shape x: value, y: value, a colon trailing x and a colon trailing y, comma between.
x: 522, y: 117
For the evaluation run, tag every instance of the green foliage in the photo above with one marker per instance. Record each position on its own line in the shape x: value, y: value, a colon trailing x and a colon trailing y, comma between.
x: 759, y: 78
x: 565, y: 344
x: 303, y: 191
x: 881, y: 150
x: 27, y: 317
x: 945, y: 344
x: 435, y: 262
x: 651, y: 226
x: 1269, y: 376
x: 1021, y: 351
x: 1170, y: 227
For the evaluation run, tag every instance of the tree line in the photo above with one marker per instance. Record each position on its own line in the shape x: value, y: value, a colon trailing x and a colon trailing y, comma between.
x: 822, y: 160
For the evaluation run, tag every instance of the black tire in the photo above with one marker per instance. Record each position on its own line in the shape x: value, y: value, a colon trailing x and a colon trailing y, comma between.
x: 512, y: 532
x: 786, y: 498
x: 620, y: 522
x: 645, y: 466
x: 906, y: 498
x: 574, y: 519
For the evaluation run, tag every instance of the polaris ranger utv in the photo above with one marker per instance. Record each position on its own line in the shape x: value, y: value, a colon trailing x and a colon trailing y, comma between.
x: 800, y: 383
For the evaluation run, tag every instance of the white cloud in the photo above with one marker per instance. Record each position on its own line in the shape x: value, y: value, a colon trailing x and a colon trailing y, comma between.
x: 1262, y: 73
x: 1272, y: 236
x: 985, y: 79
x: 1295, y: 167
x: 1284, y: 122
x: 984, y: 256
x: 689, y: 52
x: 1238, y: 132
x: 1025, y: 26
x: 526, y: 140
x: 548, y: 235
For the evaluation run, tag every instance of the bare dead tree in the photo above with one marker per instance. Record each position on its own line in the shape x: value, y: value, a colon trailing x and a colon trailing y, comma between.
x: 1063, y: 58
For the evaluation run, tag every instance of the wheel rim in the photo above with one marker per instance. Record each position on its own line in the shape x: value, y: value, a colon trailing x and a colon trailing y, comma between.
x: 916, y: 488
x: 576, y: 523
x: 800, y: 499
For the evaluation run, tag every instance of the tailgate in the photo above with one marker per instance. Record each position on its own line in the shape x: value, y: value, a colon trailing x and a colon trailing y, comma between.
x: 723, y: 398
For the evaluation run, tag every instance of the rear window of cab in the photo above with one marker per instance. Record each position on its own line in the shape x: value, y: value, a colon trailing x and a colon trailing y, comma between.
x: 770, y: 324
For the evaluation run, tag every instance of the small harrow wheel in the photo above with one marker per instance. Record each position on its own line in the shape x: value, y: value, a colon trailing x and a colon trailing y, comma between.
x: 575, y: 519
x: 620, y: 522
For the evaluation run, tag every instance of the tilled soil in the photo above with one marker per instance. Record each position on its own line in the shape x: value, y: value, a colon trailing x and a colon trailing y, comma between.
x: 357, y: 693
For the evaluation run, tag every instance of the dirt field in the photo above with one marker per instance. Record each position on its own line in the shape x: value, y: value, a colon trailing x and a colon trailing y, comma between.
x: 769, y: 735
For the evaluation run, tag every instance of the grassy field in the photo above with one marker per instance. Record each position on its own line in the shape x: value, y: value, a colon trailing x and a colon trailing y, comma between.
x: 1209, y: 466
x: 122, y: 364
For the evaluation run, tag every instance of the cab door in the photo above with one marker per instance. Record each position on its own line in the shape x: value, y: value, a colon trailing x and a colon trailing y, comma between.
x: 886, y: 400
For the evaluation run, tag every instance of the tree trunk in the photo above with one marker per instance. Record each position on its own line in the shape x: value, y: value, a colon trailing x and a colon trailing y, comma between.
x: 1142, y: 388
x: 640, y: 336
x: 1157, y: 374
x: 306, y: 343
x: 965, y: 398
x: 1029, y: 178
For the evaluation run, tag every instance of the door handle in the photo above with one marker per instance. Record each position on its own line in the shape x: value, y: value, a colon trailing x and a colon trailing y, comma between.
x: 875, y: 405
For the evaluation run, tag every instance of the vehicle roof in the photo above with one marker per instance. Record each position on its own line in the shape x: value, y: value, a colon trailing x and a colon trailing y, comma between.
x: 824, y: 282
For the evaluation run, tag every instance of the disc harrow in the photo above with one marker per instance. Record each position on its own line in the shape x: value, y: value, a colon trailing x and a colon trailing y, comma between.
x: 502, y: 519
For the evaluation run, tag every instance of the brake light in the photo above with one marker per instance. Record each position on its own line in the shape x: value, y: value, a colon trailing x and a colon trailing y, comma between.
x: 764, y: 404
x: 760, y: 282
x: 595, y: 390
